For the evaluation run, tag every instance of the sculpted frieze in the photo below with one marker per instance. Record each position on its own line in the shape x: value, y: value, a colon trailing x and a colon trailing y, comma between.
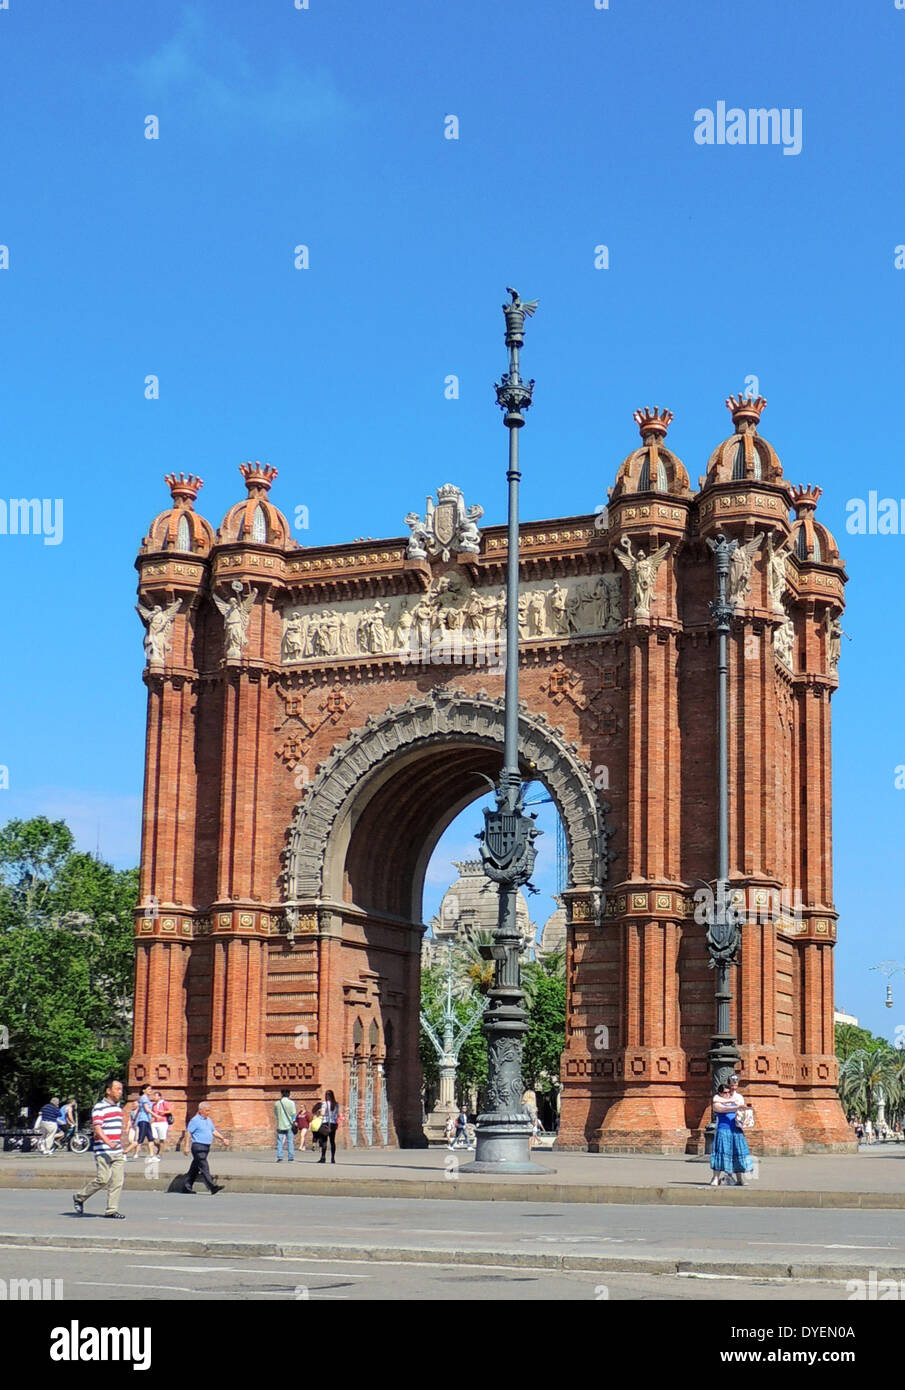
x: 451, y: 615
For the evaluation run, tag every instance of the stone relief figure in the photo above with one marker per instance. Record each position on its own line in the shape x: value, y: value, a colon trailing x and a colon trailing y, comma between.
x: 559, y: 599
x: 642, y: 570
x: 374, y: 629
x: 740, y: 563
x: 236, y: 612
x: 293, y: 645
x: 834, y: 635
x: 537, y: 614
x: 348, y: 633
x: 777, y: 571
x: 159, y: 623
x: 494, y: 606
x: 523, y: 601
x: 784, y: 642
x: 404, y: 624
x: 612, y: 617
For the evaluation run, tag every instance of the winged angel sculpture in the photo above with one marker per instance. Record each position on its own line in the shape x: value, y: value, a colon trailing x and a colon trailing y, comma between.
x: 642, y: 570
x: 236, y: 612
x: 159, y: 623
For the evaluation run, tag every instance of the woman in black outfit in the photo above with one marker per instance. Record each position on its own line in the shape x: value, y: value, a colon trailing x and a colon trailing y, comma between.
x: 330, y: 1120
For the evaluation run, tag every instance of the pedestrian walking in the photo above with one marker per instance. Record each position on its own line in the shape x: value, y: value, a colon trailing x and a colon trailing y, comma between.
x: 144, y: 1120
x: 529, y: 1104
x: 109, y: 1153
x: 160, y: 1125
x: 730, y: 1149
x: 868, y: 1130
x: 303, y: 1120
x: 201, y: 1133
x: 287, y: 1127
x: 461, y: 1132
x: 327, y: 1131
x: 47, y: 1124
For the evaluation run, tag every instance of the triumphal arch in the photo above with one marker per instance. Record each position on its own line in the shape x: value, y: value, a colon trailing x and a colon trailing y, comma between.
x: 317, y: 716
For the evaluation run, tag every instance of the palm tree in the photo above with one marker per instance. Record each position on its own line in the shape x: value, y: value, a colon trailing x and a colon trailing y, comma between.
x: 867, y: 1071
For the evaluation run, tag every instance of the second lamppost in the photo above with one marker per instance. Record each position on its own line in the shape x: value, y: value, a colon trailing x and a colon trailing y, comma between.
x: 723, y: 934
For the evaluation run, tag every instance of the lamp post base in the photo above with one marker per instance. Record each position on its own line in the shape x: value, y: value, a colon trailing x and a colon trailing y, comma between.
x: 503, y: 1147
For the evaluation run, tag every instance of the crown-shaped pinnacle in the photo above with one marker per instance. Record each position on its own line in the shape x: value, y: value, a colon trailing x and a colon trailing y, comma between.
x: 653, y: 421
x: 805, y: 498
x: 184, y: 487
x: 745, y: 408
x: 258, y: 476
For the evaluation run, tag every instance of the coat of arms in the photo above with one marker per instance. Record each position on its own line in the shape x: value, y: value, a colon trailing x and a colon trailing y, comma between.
x: 448, y: 527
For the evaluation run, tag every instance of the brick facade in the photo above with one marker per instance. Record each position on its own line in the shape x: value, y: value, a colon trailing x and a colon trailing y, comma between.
x: 291, y: 809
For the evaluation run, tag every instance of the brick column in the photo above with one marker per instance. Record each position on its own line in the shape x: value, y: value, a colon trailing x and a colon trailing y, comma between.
x: 648, y: 1112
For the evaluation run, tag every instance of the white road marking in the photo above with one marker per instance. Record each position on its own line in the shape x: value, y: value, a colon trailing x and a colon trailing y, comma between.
x: 815, y: 1245
x: 230, y: 1269
x: 109, y: 1284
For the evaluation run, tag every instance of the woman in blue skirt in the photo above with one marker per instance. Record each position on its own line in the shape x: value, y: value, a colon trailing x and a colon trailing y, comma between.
x: 730, y: 1150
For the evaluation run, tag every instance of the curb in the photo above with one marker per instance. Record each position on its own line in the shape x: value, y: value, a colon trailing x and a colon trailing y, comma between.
x: 614, y: 1264
x: 500, y: 1190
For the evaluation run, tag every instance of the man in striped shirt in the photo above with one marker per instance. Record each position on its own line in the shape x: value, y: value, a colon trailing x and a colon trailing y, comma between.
x: 109, y: 1154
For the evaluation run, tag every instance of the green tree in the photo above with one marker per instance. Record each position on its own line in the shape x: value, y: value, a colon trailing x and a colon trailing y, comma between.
x: 66, y: 965
x: 850, y: 1038
x: 865, y: 1073
x: 545, y: 996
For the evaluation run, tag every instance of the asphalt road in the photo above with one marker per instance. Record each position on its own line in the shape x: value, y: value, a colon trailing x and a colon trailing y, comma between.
x: 160, y: 1277
x: 750, y: 1242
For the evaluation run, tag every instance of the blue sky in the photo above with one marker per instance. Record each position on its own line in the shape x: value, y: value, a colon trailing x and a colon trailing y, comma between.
x: 325, y: 127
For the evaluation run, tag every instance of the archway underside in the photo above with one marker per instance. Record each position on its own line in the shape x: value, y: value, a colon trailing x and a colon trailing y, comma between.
x: 397, y: 831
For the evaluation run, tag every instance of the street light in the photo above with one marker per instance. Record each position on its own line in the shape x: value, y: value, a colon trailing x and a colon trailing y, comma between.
x: 723, y: 933
x: 503, y: 1132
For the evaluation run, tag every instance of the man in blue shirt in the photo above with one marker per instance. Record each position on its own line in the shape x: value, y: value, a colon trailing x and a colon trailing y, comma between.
x: 201, y: 1133
x: 47, y: 1125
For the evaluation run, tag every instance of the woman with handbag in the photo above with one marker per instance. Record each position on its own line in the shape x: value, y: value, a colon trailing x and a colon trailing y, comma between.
x: 327, y: 1130
x: 730, y: 1150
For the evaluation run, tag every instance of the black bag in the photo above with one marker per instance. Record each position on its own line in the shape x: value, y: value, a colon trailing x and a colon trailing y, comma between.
x: 295, y: 1127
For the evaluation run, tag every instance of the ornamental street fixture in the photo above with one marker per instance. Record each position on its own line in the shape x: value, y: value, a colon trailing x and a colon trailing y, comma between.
x: 889, y: 968
x: 507, y: 841
x: 723, y: 932
x: 447, y: 1041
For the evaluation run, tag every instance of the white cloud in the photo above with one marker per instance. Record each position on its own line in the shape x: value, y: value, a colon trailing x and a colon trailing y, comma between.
x: 202, y: 67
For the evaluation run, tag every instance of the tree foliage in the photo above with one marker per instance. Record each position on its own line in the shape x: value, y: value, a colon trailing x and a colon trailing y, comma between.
x: 66, y: 965
x: 544, y: 983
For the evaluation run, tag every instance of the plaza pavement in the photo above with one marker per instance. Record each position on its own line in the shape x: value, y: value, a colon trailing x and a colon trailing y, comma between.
x: 872, y: 1178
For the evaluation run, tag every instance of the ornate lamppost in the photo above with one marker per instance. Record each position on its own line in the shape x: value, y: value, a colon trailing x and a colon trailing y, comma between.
x: 723, y: 933
x: 447, y: 1042
x: 507, y: 841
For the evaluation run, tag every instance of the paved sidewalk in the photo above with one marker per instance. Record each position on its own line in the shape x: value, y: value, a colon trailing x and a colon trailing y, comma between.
x: 873, y: 1178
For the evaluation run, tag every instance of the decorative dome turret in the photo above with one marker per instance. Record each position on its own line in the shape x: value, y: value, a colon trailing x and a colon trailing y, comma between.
x: 255, y: 521
x: 744, y: 456
x: 811, y: 541
x: 653, y: 467
x: 180, y: 527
